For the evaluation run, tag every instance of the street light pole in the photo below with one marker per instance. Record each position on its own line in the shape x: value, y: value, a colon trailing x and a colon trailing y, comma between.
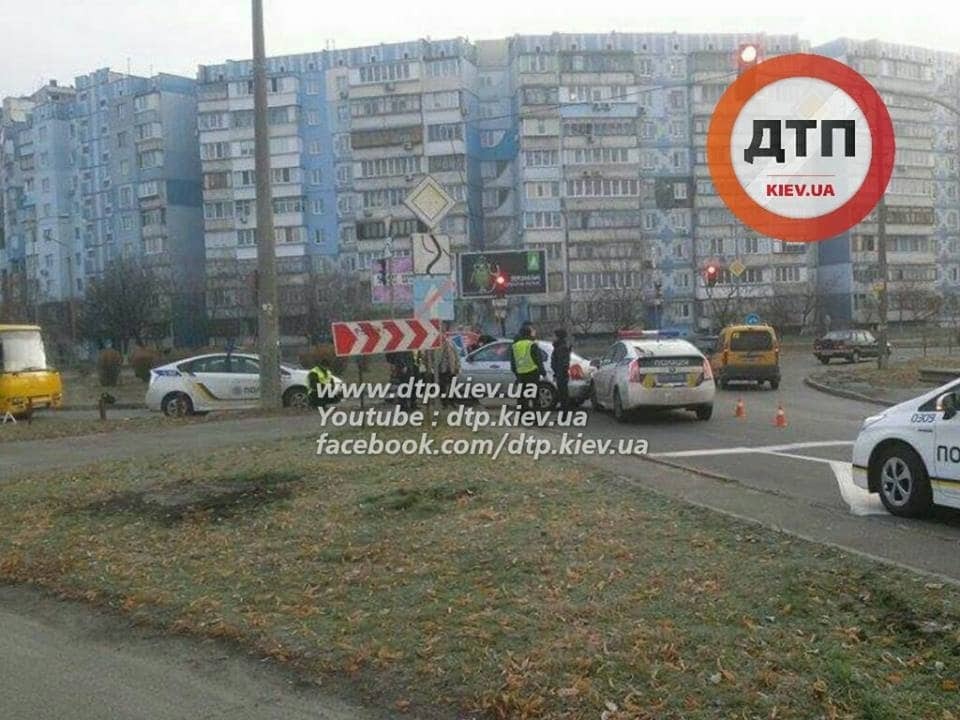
x: 268, y: 335
x: 882, y: 358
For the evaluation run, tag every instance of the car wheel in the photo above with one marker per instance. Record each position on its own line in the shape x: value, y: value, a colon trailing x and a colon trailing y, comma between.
x: 177, y: 405
x: 704, y: 412
x: 594, y: 403
x: 823, y: 359
x: 546, y: 396
x: 619, y: 413
x: 904, y: 483
x: 855, y: 357
x: 774, y: 384
x: 296, y: 397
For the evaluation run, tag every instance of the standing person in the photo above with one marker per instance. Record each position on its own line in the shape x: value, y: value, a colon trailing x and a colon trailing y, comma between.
x: 560, y: 364
x: 526, y: 362
x: 448, y: 366
x: 318, y: 376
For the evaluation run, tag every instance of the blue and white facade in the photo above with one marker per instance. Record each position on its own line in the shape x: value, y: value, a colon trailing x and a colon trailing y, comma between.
x: 99, y: 171
x: 923, y: 198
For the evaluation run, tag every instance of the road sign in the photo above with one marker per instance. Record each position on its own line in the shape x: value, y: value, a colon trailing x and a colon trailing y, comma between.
x: 433, y: 297
x: 525, y: 270
x: 391, y: 280
x: 801, y: 147
x: 431, y: 254
x: 737, y: 268
x: 753, y: 319
x: 373, y: 337
x: 429, y: 202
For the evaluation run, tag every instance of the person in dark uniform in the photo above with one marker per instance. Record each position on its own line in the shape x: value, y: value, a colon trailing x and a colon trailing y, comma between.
x: 526, y: 362
x: 560, y: 364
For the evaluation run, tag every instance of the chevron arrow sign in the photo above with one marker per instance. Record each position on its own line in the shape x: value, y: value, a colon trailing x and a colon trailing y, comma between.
x: 373, y: 337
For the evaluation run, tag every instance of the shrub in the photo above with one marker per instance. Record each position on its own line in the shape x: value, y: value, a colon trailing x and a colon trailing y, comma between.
x: 143, y: 360
x: 323, y: 354
x: 109, y: 362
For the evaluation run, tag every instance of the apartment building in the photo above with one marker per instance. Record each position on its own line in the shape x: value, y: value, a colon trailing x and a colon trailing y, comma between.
x: 922, y: 200
x: 99, y: 171
x: 351, y: 132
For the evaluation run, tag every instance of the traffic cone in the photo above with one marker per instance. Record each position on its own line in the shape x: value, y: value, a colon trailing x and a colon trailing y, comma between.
x: 780, y: 420
x: 741, y: 410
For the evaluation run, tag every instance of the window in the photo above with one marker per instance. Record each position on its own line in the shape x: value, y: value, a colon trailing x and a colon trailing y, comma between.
x: 315, y: 147
x: 287, y: 205
x: 751, y: 245
x: 316, y: 176
x: 716, y: 246
x: 541, y: 158
x: 313, y: 87
x: 153, y: 245
x: 153, y: 217
x: 313, y: 117
x: 386, y: 167
x: 679, y: 191
x: 787, y: 274
x: 124, y: 168
x: 219, y: 210
x: 216, y: 181
x: 246, y: 237
x: 603, y: 187
x: 126, y: 222
x: 150, y: 159
x: 385, y: 72
x: 317, y: 206
x: 542, y: 220
x: 536, y: 190
x: 216, y: 151
x: 445, y: 131
x: 126, y: 196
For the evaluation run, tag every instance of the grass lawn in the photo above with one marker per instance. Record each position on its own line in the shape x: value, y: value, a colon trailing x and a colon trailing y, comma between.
x: 505, y: 590
x: 85, y: 389
x: 900, y: 374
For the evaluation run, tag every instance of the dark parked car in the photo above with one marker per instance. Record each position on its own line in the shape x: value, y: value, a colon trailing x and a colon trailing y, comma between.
x: 707, y: 344
x: 851, y: 345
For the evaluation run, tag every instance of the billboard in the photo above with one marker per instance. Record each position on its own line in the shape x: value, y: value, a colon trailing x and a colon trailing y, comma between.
x: 392, y: 281
x: 525, y: 271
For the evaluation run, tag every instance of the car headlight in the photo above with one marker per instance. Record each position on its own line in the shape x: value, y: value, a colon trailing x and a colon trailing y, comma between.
x: 872, y: 420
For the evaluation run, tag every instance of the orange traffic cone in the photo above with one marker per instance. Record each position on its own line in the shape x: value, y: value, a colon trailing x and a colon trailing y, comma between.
x: 780, y: 420
x: 741, y: 410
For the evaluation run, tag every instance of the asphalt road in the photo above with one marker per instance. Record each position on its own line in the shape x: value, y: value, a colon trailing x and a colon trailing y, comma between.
x: 58, y: 660
x: 804, y: 467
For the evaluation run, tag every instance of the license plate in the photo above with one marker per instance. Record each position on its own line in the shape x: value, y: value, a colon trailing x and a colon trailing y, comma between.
x: 670, y: 379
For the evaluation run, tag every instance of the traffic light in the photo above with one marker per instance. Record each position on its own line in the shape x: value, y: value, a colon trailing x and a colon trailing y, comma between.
x: 748, y: 56
x: 500, y: 283
x: 710, y: 275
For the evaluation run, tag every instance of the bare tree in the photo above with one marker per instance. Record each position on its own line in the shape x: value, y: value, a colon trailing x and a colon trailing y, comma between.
x: 335, y: 296
x: 122, y: 304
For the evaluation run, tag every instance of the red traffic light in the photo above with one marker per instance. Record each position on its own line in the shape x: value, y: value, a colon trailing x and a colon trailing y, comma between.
x: 501, y: 281
x: 710, y: 275
x: 748, y: 55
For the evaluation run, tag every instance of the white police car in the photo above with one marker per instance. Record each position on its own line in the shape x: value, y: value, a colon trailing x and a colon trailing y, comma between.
x: 221, y: 381
x: 910, y: 453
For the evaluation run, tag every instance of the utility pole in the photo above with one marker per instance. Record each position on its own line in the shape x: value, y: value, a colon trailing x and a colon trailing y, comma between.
x: 268, y: 335
x: 882, y: 358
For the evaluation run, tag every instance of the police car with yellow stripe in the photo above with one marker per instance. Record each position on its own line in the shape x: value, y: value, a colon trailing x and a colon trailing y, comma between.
x: 910, y: 453
x: 653, y: 370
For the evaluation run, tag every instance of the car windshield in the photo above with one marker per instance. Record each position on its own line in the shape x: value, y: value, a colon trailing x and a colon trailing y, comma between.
x: 22, y: 350
x: 837, y: 336
x: 751, y: 340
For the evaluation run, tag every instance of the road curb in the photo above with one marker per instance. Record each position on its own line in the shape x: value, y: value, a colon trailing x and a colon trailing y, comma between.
x: 848, y: 394
x: 114, y: 406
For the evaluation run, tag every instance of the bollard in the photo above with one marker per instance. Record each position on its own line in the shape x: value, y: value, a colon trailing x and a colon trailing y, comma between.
x: 105, y: 399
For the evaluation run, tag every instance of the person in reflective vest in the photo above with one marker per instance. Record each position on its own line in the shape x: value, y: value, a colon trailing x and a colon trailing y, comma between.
x: 319, y: 375
x: 526, y: 362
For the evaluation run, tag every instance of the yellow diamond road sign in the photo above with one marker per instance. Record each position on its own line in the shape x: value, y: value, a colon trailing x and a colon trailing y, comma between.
x: 429, y: 202
x: 737, y: 268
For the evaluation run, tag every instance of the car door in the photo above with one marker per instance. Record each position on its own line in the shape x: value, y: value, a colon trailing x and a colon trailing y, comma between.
x: 211, y: 383
x: 946, y: 485
x: 871, y: 348
x: 245, y: 380
x: 489, y: 364
x: 608, y: 373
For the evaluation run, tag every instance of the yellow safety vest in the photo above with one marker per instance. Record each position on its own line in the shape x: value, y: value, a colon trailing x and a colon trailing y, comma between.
x: 523, y: 357
x: 323, y: 375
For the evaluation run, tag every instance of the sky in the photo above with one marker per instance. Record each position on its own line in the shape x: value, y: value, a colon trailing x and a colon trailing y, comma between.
x: 59, y: 39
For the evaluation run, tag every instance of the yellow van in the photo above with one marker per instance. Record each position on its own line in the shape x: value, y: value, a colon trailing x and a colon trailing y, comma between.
x: 747, y: 352
x: 25, y: 379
